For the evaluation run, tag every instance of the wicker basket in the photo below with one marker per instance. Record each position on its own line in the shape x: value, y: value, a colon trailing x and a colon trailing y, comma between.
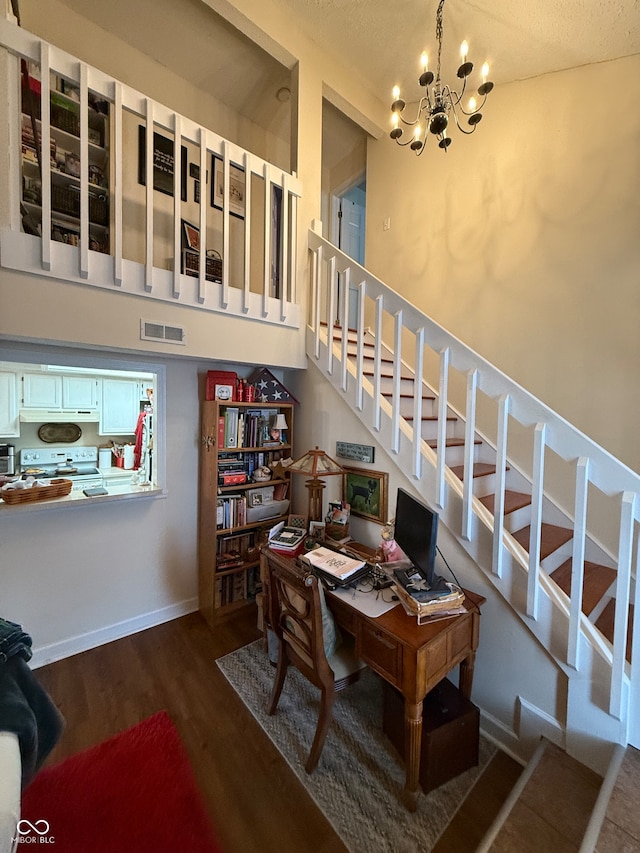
x: 56, y: 489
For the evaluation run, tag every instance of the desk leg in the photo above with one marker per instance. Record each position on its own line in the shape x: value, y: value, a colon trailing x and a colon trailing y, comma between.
x: 466, y: 675
x: 413, y: 746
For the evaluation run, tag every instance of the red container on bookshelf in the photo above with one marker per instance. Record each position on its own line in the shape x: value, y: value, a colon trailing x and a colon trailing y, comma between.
x: 223, y: 379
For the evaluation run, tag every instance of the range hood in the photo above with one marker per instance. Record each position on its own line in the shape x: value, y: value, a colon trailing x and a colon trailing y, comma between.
x: 49, y: 416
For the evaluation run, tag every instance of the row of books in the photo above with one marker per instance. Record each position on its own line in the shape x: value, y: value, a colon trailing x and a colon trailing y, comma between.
x: 232, y: 465
x: 245, y: 428
x: 231, y: 511
x: 240, y: 586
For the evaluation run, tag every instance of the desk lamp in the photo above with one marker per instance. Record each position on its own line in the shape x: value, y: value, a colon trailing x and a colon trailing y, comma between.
x: 316, y: 464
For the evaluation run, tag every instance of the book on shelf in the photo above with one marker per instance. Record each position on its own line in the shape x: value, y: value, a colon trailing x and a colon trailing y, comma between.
x: 231, y: 414
x: 338, y: 565
x: 229, y: 560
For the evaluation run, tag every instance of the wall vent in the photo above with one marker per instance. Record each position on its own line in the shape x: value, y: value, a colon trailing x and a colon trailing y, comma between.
x: 150, y: 331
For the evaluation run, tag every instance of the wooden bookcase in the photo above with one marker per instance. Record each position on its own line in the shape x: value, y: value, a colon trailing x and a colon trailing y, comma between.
x: 226, y: 521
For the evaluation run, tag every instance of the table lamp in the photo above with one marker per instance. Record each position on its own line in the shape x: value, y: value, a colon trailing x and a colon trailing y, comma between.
x: 279, y: 428
x: 316, y: 464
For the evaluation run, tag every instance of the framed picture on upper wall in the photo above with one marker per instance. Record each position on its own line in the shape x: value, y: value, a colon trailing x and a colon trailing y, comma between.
x: 235, y: 194
x: 163, y: 163
x: 366, y: 492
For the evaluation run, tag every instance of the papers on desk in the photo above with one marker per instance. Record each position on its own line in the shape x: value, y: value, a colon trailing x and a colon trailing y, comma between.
x: 333, y: 563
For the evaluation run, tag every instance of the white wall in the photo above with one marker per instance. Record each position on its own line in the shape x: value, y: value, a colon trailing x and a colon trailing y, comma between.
x: 522, y: 241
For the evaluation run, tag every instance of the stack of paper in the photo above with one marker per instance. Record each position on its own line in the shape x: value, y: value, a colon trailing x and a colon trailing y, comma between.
x: 333, y: 563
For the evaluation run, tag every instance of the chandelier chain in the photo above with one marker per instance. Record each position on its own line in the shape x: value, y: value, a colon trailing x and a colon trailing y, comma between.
x: 439, y: 38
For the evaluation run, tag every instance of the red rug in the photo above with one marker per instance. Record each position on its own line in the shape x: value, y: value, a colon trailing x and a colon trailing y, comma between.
x: 134, y: 793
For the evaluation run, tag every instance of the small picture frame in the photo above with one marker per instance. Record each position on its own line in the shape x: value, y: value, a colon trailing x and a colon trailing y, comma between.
x: 317, y: 529
x: 299, y: 521
x: 223, y: 392
x: 235, y: 192
x: 255, y: 498
x: 191, y: 236
x: 163, y: 163
x: 366, y: 492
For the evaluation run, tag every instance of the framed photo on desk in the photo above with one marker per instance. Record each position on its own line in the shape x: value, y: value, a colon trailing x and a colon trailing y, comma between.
x: 366, y: 492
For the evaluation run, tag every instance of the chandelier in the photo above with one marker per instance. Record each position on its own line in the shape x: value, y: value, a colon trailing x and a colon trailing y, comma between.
x: 440, y: 101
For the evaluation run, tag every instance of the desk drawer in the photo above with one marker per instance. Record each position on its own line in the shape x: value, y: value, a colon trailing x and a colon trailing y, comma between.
x: 381, y: 652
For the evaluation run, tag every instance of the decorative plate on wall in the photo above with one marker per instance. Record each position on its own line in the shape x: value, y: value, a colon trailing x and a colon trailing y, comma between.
x: 64, y: 433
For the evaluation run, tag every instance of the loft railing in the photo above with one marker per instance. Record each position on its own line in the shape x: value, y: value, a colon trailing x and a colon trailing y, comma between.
x: 256, y: 275
x: 465, y: 382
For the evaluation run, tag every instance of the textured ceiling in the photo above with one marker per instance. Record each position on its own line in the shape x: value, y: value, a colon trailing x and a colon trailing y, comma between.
x: 383, y: 39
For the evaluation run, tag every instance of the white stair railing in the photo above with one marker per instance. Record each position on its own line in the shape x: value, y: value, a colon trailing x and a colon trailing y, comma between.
x: 272, y: 298
x: 391, y: 321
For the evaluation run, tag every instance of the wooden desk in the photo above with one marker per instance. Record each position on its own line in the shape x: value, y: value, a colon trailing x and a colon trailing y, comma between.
x: 413, y: 659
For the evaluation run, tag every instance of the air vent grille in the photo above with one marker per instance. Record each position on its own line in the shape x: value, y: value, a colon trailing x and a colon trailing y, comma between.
x: 150, y: 331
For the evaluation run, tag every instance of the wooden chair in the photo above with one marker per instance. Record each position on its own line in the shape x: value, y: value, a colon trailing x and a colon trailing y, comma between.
x: 296, y: 602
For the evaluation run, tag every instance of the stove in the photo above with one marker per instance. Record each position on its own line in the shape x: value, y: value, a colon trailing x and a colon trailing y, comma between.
x: 78, y: 464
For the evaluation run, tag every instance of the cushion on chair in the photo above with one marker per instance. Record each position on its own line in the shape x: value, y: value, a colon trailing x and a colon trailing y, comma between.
x: 330, y: 631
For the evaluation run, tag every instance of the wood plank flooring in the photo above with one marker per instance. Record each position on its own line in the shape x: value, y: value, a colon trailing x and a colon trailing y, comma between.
x: 255, y: 800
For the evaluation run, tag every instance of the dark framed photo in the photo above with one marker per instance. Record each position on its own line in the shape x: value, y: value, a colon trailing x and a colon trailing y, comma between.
x: 236, y: 192
x: 190, y: 236
x: 163, y: 163
x: 366, y: 492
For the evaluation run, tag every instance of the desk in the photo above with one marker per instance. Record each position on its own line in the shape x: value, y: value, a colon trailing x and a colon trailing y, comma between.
x: 413, y: 659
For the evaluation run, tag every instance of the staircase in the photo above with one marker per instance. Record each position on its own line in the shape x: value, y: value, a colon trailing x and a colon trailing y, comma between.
x: 447, y: 417
x: 598, y: 591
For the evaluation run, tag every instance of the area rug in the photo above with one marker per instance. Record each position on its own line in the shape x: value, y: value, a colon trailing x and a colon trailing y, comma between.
x: 359, y: 778
x: 134, y: 793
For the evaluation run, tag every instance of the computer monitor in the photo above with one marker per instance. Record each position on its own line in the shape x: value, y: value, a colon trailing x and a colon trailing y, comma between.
x: 416, y: 532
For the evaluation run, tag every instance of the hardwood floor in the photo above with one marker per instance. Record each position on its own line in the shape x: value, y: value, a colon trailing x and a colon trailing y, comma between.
x: 255, y: 800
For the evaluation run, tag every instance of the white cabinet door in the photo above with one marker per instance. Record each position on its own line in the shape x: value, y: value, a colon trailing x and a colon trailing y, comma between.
x: 9, y: 425
x: 41, y: 391
x: 120, y: 407
x: 79, y: 392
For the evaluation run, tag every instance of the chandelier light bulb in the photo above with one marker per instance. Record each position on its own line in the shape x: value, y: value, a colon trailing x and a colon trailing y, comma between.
x: 396, y: 93
x: 394, y: 119
x: 416, y: 132
x: 464, y: 50
x: 472, y: 105
x: 485, y: 72
x: 424, y: 60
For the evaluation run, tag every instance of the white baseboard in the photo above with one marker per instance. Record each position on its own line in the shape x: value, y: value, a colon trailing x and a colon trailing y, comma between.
x: 43, y: 655
x: 501, y: 735
x: 532, y: 723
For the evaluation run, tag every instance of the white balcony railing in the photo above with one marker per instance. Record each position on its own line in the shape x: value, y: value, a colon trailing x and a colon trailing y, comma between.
x: 402, y: 341
x: 144, y: 233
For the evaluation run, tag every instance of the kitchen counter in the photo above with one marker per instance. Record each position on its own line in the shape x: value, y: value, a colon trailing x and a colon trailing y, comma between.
x: 119, y: 488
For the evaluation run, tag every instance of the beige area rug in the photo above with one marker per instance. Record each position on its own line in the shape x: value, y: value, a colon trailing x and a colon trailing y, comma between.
x: 359, y: 778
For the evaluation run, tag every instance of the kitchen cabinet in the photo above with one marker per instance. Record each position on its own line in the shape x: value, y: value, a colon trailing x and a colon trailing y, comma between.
x: 41, y: 391
x: 9, y: 424
x: 120, y: 406
x: 56, y: 393
x: 80, y: 392
x: 234, y: 508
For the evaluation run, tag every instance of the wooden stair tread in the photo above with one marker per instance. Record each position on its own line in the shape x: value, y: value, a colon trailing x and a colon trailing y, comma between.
x: 597, y: 580
x: 451, y: 442
x: 512, y: 501
x: 480, y: 469
x: 604, y: 624
x: 429, y: 397
x: 552, y: 537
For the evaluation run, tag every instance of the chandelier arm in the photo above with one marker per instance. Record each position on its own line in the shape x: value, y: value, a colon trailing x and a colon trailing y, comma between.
x: 459, y: 126
x: 477, y: 109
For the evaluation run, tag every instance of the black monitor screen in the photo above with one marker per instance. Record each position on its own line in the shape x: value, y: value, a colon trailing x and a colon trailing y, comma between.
x: 416, y: 531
